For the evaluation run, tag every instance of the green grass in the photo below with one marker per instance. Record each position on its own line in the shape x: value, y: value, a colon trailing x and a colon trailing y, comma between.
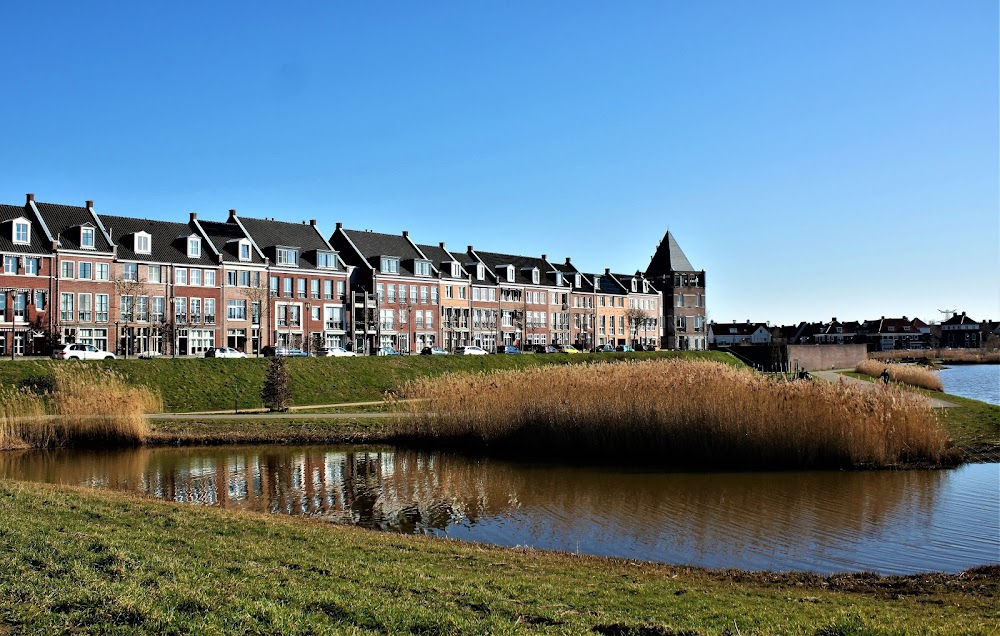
x: 77, y: 561
x: 304, y: 430
x: 207, y: 384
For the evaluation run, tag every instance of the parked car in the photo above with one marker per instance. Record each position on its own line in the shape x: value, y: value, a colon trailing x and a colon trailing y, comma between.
x: 604, y: 348
x: 538, y: 348
x: 224, y: 352
x: 335, y: 352
x: 387, y: 351
x: 565, y: 349
x: 290, y: 352
x: 624, y: 349
x: 79, y: 351
x: 508, y: 349
x: 433, y: 351
x: 470, y: 350
x: 149, y: 354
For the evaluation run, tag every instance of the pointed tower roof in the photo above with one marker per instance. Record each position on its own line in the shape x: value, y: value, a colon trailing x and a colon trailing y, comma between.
x: 668, y: 258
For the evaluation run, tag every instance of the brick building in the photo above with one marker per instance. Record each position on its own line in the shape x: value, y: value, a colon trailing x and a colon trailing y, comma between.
x: 683, y: 291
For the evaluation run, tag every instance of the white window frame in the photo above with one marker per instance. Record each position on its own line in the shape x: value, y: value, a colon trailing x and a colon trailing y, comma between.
x: 19, y: 225
x: 142, y: 243
x: 194, y: 247
x: 85, y: 233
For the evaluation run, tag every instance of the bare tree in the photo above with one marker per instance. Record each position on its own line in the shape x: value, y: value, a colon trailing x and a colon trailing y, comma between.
x: 638, y: 320
x: 260, y: 295
x: 128, y: 291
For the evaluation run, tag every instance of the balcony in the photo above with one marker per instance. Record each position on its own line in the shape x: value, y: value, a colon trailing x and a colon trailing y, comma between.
x: 181, y: 318
x: 210, y: 319
x: 334, y: 325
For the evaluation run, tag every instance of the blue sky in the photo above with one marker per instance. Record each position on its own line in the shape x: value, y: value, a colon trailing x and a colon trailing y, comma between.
x: 817, y: 159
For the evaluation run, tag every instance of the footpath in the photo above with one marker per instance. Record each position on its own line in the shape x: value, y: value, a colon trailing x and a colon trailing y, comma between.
x: 837, y: 376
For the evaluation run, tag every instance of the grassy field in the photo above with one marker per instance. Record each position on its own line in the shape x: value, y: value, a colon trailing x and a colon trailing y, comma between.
x: 206, y: 384
x: 307, y: 429
x: 76, y: 561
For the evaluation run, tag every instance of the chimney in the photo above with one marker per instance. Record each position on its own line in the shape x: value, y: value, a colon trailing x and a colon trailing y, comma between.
x: 312, y: 222
x: 544, y: 257
x: 30, y: 198
x: 470, y: 248
x: 90, y: 203
x: 441, y: 244
x: 834, y: 319
x: 607, y: 271
x: 568, y: 261
x: 194, y: 217
x: 232, y: 214
x: 406, y: 233
x: 340, y: 225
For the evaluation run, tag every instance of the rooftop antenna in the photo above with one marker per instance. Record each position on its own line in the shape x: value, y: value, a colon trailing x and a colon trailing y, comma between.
x: 948, y: 313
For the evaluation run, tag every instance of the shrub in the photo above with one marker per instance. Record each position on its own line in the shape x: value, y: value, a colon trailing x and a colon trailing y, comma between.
x: 275, y: 394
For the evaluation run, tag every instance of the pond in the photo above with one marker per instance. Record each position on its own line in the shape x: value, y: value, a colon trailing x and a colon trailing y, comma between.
x: 975, y: 381
x: 891, y: 522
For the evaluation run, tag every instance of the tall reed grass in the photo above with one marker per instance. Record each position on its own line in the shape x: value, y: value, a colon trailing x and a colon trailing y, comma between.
x: 676, y: 413
x: 87, y: 406
x: 904, y: 373
x: 955, y: 356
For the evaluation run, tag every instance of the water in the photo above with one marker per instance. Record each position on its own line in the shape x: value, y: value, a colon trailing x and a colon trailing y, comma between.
x: 976, y: 381
x: 825, y: 521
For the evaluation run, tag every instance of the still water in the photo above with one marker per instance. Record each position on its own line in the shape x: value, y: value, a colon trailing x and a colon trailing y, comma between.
x: 825, y: 521
x: 976, y: 381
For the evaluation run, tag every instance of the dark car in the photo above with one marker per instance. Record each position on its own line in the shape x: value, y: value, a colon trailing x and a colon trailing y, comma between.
x: 433, y: 351
x: 539, y: 348
x: 508, y: 349
x: 604, y: 348
x: 624, y: 349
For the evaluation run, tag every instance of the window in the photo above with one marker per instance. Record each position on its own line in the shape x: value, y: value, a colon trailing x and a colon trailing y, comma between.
x: 101, y: 307
x: 142, y: 308
x: 456, y: 270
x: 429, y: 319
x: 534, y: 276
x: 577, y: 281
x: 68, y: 268
x: 301, y: 286
x: 392, y: 293
x: 380, y: 291
x: 195, y: 276
x: 195, y: 310
x: 328, y: 289
x: 244, y: 251
x: 154, y: 274
x: 31, y: 266
x: 66, y: 307
x: 449, y: 291
x: 680, y: 300
x: 209, y: 278
x: 231, y: 278
x: 194, y: 247
x: 85, y: 271
x: 461, y: 292
x: 413, y: 293
x: 87, y: 238
x: 390, y: 265
x: 126, y: 307
x: 326, y: 260
x: 434, y: 295
x: 236, y: 309
x: 103, y: 271
x: 314, y: 288
x: 21, y: 235
x: 423, y: 294
x: 157, y: 310
x: 180, y: 276
x: 287, y: 290
x: 141, y: 243
x: 341, y: 289
x: 480, y: 272
x: 39, y: 300
x: 209, y: 311
x: 287, y: 256
x: 273, y: 286
x: 422, y: 268
x: 510, y: 273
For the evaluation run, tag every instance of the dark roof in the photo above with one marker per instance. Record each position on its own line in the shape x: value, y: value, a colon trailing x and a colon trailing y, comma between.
x: 586, y: 283
x: 882, y: 325
x: 226, y: 237
x: 669, y: 258
x: 438, y: 255
x: 373, y: 245
x: 627, y: 278
x: 167, y: 242
x: 269, y: 234
x: 960, y: 319
x: 522, y: 267
x: 61, y: 219
x: 608, y: 284
x: 38, y: 242
x: 736, y: 328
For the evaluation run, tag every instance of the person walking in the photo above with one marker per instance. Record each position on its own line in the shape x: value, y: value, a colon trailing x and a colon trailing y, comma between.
x: 885, y: 376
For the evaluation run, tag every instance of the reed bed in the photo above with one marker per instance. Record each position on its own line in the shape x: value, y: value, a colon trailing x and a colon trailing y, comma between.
x: 905, y: 373
x: 675, y: 413
x: 955, y: 356
x: 86, y: 407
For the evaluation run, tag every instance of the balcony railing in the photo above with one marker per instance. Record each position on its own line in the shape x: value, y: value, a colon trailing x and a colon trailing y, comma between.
x: 181, y: 318
x: 335, y: 324
x: 210, y: 319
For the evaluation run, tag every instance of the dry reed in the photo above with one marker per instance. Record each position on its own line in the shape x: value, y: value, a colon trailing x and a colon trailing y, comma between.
x: 905, y: 373
x: 87, y: 406
x: 956, y: 356
x: 678, y: 413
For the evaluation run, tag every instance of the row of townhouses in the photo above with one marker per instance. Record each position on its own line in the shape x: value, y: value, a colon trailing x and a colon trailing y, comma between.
x: 881, y: 334
x: 138, y: 286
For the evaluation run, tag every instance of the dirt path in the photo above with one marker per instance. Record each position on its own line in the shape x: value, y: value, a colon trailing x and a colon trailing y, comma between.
x: 836, y: 376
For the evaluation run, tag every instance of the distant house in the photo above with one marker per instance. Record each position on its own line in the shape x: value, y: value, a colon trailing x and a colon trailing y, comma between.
x: 722, y: 335
x: 891, y: 334
x: 961, y: 332
x: 836, y: 332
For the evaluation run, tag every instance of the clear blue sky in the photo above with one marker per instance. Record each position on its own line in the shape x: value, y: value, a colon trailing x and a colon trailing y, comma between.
x: 817, y: 159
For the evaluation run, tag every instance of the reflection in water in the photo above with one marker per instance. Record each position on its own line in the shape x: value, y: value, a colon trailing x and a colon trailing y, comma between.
x: 889, y: 522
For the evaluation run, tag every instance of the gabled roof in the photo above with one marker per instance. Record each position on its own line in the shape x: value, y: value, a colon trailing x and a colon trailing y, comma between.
x: 38, y: 242
x: 569, y: 273
x: 226, y: 238
x: 608, y: 284
x: 167, y: 242
x: 438, y: 255
x: 737, y: 328
x: 889, y: 325
x: 626, y: 282
x: 668, y: 258
x: 269, y: 234
x: 371, y: 246
x: 523, y: 265
x: 959, y: 319
x: 61, y: 219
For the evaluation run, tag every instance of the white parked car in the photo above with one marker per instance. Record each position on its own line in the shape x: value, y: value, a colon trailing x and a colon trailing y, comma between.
x: 78, y: 351
x: 224, y: 352
x: 470, y: 350
x: 335, y: 352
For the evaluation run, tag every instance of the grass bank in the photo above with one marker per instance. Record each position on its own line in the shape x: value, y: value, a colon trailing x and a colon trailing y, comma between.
x: 680, y: 413
x: 300, y: 430
x: 209, y: 384
x: 73, y: 560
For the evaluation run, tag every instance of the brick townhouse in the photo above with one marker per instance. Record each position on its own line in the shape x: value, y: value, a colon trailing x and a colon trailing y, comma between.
x: 642, y: 315
x: 610, y: 309
x: 308, y: 283
x: 582, y: 309
x: 395, y: 300
x: 683, y: 291
x: 26, y: 280
x: 454, y: 294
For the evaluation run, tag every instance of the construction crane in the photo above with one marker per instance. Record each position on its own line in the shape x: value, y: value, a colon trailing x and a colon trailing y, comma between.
x: 948, y: 313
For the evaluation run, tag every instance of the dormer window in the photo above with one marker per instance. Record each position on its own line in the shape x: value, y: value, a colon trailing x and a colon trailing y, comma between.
x: 559, y: 279
x: 87, y: 238
x: 287, y: 255
x: 422, y: 268
x: 390, y: 265
x: 634, y: 286
x: 22, y: 232
x: 480, y: 272
x: 534, y: 276
x: 456, y: 270
x: 577, y: 280
x: 194, y: 247
x: 142, y: 243
x: 326, y: 260
x: 244, y: 250
x: 597, y: 282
